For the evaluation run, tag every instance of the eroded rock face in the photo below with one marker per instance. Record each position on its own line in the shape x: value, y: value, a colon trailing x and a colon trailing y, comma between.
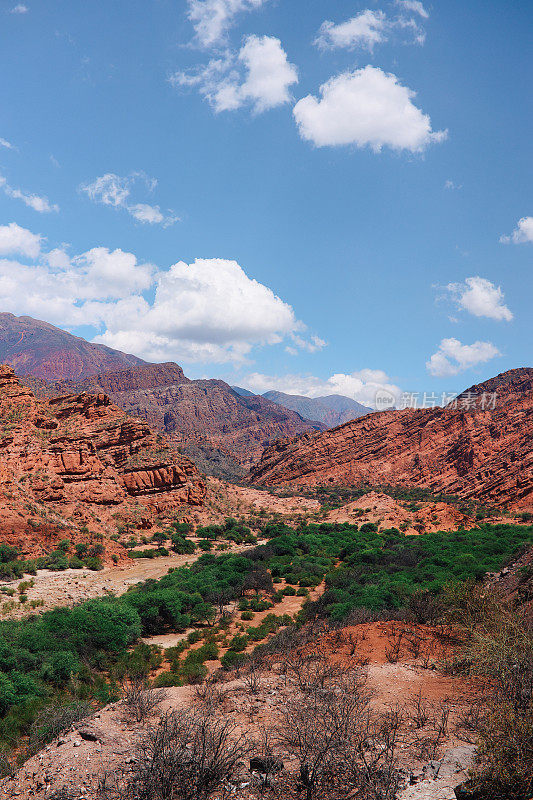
x: 77, y: 459
x: 202, y: 411
x: 480, y: 453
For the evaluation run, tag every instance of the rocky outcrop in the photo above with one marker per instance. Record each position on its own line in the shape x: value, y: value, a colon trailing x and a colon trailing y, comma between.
x: 469, y: 448
x: 205, y: 413
x: 79, y: 461
x: 33, y: 347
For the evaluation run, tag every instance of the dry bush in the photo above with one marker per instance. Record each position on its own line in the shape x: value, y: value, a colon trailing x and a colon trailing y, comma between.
x: 252, y: 679
x: 414, y: 641
x: 264, y: 762
x: 140, y: 701
x: 210, y: 696
x: 343, y: 749
x: 54, y: 720
x: 394, y: 649
x: 185, y: 757
x: 501, y: 649
x: 313, y: 669
x: 469, y: 721
x: 419, y: 711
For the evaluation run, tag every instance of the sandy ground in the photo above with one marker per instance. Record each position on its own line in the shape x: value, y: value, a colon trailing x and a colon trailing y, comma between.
x: 74, y: 585
x: 225, y: 499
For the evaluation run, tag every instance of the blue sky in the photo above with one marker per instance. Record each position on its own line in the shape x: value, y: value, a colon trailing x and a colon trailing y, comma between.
x: 296, y: 194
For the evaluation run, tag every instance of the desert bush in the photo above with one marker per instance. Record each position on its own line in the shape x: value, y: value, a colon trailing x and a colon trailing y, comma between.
x: 54, y: 720
x: 342, y: 748
x: 501, y: 650
x: 139, y: 700
x: 186, y: 756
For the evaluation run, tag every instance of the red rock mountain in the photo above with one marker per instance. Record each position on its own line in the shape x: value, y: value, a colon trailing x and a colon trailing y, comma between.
x: 205, y: 418
x: 78, y: 460
x: 34, y: 347
x: 472, y: 450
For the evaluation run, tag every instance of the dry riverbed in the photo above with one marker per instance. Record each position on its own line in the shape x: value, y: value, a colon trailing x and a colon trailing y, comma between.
x: 72, y: 586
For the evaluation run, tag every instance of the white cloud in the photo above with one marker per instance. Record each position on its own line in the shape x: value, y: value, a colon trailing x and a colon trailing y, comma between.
x: 453, y: 186
x: 481, y: 298
x: 259, y: 76
x: 362, y: 385
x: 113, y: 190
x: 522, y: 233
x: 6, y: 144
x: 20, y: 8
x: 367, y: 29
x: 213, y: 18
x: 15, y: 240
x: 210, y: 307
x: 365, y: 107
x: 413, y: 5
x: 364, y: 30
x: 209, y: 310
x: 452, y: 357
x: 35, y: 201
x: 312, y: 345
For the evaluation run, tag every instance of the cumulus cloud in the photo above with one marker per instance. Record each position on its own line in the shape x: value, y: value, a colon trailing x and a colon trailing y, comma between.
x: 15, y: 240
x: 6, y: 144
x: 364, y: 30
x: 115, y: 191
x: 363, y: 385
x: 413, y: 5
x: 481, y: 298
x: 367, y: 29
x: 453, y: 357
x: 260, y: 76
x: 20, y: 8
x: 213, y: 18
x: 209, y: 310
x: 522, y: 233
x: 367, y: 107
x: 35, y: 201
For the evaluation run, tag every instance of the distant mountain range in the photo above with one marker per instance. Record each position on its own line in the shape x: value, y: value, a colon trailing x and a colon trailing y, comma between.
x: 34, y: 347
x: 223, y: 432
x: 331, y: 410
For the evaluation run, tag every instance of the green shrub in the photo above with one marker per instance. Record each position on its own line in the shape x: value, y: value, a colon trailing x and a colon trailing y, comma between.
x: 231, y: 660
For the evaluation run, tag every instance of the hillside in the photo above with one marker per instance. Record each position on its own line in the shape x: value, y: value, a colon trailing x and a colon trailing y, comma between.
x: 221, y: 430
x: 473, y: 451
x: 331, y: 410
x: 75, y: 466
x: 34, y: 347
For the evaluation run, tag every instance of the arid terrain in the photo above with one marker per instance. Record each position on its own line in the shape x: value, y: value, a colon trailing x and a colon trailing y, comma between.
x: 82, y: 478
x: 466, y: 449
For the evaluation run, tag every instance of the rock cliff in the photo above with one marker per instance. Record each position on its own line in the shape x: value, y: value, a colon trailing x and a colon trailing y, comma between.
x: 78, y: 461
x: 205, y: 413
x: 469, y: 448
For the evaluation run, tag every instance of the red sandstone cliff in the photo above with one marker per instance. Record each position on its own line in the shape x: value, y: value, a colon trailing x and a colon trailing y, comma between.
x: 480, y: 453
x: 79, y: 460
x: 206, y: 412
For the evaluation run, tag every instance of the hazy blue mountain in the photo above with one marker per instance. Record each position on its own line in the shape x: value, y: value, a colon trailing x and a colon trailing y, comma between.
x: 332, y: 410
x: 242, y: 392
